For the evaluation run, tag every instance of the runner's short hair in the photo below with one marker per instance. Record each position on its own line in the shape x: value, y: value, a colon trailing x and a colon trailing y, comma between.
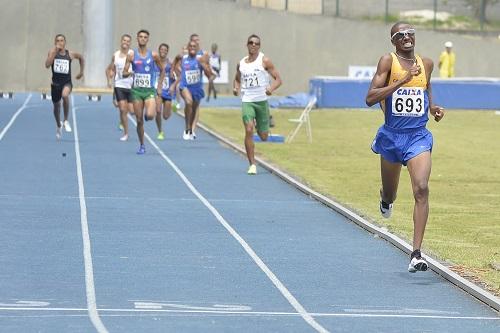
x: 60, y: 35
x: 193, y: 35
x: 126, y: 35
x: 164, y: 44
x: 143, y: 31
x: 252, y: 36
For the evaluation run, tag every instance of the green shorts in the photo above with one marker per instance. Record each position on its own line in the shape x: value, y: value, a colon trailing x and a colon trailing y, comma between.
x: 142, y: 94
x: 258, y: 111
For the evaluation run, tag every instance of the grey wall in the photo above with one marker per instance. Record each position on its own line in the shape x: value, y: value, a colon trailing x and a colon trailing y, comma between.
x: 300, y: 46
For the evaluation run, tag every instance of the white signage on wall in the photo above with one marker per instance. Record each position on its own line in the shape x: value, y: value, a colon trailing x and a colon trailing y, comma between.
x: 223, y: 74
x: 362, y: 72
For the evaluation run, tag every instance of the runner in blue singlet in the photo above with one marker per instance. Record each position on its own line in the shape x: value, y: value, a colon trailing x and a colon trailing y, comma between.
x: 189, y: 68
x: 402, y: 87
x: 164, y: 100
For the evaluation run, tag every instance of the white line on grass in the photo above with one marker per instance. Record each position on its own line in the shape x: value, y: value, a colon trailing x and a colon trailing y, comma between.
x: 6, y: 128
x: 87, y: 253
x: 274, y: 279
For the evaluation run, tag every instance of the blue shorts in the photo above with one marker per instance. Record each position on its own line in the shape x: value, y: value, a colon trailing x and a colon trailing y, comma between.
x: 196, y: 92
x: 165, y: 95
x: 400, y: 146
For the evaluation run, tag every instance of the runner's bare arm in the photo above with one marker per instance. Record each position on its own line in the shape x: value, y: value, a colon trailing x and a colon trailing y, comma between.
x: 269, y: 66
x: 50, y: 57
x: 435, y: 110
x: 76, y: 55
x: 111, y: 72
x: 237, y: 81
x: 128, y: 61
x: 157, y: 59
x: 206, y: 67
x: 378, y: 90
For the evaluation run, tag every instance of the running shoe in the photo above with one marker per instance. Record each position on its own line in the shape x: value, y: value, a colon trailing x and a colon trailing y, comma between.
x: 417, y: 263
x: 385, y: 209
x: 124, y: 138
x: 252, y: 170
x: 67, y: 128
x: 59, y: 133
x: 192, y: 136
x: 186, y: 135
x: 142, y: 150
x: 161, y: 136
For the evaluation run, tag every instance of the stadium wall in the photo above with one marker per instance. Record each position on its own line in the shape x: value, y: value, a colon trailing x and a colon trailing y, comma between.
x: 342, y: 92
x: 301, y: 46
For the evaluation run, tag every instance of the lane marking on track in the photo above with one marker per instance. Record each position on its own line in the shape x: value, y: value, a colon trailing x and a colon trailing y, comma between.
x: 274, y: 279
x: 18, y: 112
x: 87, y: 252
x: 109, y: 312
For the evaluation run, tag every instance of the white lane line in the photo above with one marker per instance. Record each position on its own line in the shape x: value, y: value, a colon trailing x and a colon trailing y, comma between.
x: 134, y: 312
x: 110, y: 197
x: 87, y: 253
x: 274, y: 279
x: 9, y: 124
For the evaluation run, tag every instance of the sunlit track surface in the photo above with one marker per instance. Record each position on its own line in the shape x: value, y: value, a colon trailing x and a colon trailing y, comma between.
x: 162, y: 261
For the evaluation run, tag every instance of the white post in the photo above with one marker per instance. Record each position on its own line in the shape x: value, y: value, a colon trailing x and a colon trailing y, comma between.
x: 98, y: 32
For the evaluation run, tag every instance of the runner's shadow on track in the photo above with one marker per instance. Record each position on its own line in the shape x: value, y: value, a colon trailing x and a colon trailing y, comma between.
x: 421, y: 280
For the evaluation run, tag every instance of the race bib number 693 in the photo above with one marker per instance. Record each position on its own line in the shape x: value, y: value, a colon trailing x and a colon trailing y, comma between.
x: 408, y: 102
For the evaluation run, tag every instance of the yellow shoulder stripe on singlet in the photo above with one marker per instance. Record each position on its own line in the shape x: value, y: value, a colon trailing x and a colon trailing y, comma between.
x: 398, y: 72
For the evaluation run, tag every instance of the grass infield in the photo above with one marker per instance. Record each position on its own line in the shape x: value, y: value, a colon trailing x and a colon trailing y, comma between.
x: 464, y: 222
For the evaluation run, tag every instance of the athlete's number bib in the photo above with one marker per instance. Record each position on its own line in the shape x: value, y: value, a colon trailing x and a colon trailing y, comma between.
x: 408, y: 102
x: 61, y: 66
x: 142, y: 80
x: 165, y: 84
x: 193, y: 76
x: 250, y: 81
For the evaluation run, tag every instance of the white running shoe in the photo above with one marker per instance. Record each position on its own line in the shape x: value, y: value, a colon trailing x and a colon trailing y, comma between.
x: 67, y: 128
x: 124, y: 138
x: 385, y: 209
x: 192, y: 136
x: 417, y: 263
x: 59, y: 133
x: 186, y: 135
x: 252, y: 169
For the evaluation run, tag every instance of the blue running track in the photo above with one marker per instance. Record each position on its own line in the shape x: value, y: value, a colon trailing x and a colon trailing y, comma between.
x: 182, y: 240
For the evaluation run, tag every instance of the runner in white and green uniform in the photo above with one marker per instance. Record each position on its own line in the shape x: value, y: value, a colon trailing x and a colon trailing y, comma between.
x: 143, y: 89
x: 252, y: 78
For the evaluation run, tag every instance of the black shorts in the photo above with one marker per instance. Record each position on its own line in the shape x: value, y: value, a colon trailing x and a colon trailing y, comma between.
x: 56, y: 90
x: 123, y: 94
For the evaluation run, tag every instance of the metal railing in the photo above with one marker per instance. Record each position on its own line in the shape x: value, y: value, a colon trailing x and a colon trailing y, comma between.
x: 450, y: 15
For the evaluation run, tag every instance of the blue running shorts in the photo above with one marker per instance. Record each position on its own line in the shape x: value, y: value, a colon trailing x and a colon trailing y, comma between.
x: 196, y: 92
x: 400, y: 146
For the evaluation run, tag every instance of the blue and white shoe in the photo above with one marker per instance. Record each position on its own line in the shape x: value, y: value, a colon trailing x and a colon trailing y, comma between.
x: 142, y: 150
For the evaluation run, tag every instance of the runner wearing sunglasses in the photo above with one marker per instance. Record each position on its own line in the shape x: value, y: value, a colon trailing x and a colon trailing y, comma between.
x: 252, y: 78
x: 402, y: 87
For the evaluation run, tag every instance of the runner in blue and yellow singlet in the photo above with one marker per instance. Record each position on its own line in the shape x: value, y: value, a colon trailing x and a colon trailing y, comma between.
x: 402, y: 86
x: 143, y: 90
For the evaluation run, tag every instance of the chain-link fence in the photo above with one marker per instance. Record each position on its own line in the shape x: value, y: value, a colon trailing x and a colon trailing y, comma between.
x: 457, y: 15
